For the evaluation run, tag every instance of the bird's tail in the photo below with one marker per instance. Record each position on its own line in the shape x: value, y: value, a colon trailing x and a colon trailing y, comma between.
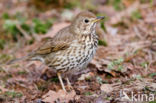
x: 16, y: 60
x: 27, y: 57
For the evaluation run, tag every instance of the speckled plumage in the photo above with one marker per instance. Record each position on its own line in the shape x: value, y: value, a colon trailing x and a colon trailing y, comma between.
x: 72, y: 48
x: 76, y: 56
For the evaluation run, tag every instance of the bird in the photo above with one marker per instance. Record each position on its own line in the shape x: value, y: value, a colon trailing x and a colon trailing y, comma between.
x: 72, y: 48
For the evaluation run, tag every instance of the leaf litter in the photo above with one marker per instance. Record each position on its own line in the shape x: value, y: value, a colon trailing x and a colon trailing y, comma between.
x: 127, y: 62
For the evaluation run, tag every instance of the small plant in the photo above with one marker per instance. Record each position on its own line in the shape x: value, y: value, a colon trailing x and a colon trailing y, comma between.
x: 147, y: 1
x: 40, y: 26
x: 10, y: 27
x: 116, y: 64
x: 88, y: 93
x: 152, y: 75
x: 99, y: 80
x: 54, y: 79
x: 71, y: 4
x: 136, y: 15
x: 117, y: 4
x: 102, y: 42
x: 5, y: 16
x: 103, y: 27
x: 17, y: 25
x: 144, y: 64
x: 13, y: 94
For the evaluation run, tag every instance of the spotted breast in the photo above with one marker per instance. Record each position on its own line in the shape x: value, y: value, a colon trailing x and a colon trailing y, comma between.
x: 77, y: 56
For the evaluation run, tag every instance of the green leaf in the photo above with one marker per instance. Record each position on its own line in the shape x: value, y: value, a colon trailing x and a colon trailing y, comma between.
x: 10, y: 26
x: 152, y: 74
x: 26, y: 27
x: 103, y: 27
x: 99, y: 80
x: 144, y: 64
x: 102, y: 42
x: 117, y: 4
x: 13, y: 94
x: 120, y: 67
x: 5, y: 16
x: 117, y: 63
x: 41, y: 27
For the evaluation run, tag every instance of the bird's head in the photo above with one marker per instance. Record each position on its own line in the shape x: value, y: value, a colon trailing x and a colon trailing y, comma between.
x: 85, y: 23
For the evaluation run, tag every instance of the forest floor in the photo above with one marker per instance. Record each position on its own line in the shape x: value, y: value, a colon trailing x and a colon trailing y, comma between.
x: 124, y: 65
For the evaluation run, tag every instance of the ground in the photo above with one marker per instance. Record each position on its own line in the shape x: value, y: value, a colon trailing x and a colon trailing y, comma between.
x: 123, y: 69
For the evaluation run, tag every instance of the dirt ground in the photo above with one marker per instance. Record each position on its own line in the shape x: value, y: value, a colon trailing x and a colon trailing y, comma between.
x: 124, y: 65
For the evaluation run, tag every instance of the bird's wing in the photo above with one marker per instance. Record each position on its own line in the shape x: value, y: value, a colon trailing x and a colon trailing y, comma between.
x: 51, y: 47
x: 61, y: 41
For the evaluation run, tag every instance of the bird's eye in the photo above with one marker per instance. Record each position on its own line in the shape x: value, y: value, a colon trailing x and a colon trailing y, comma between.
x: 86, y: 20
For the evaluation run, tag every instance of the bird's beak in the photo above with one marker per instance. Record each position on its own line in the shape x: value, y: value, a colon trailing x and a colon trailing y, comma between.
x: 98, y: 19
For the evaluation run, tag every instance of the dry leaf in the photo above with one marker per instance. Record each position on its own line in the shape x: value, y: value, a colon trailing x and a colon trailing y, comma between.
x: 60, y: 96
x: 86, y: 76
x: 106, y: 88
x: 2, y: 89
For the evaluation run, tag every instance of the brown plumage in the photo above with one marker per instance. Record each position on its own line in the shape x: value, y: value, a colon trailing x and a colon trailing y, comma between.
x: 72, y: 48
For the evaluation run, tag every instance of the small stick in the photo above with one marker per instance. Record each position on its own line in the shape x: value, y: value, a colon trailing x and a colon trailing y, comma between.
x: 26, y: 35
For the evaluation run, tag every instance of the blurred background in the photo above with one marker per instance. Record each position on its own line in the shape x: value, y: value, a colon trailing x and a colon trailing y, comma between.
x: 29, y: 19
x: 127, y: 45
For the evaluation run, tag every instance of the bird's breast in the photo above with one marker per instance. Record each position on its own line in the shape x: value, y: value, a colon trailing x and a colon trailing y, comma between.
x: 78, y: 55
x: 85, y: 49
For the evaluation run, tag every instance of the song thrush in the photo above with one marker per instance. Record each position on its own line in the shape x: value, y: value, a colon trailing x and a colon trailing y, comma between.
x: 72, y: 48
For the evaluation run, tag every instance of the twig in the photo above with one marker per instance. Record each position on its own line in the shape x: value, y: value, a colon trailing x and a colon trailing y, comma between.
x: 138, y: 33
x: 26, y: 35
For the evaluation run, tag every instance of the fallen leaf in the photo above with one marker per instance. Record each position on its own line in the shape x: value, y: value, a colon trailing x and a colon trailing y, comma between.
x: 2, y: 89
x: 59, y: 96
x: 106, y: 88
x: 86, y: 76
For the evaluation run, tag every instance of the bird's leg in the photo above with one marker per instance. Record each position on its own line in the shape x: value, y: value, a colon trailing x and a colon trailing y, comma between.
x: 68, y: 83
x: 60, y: 79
